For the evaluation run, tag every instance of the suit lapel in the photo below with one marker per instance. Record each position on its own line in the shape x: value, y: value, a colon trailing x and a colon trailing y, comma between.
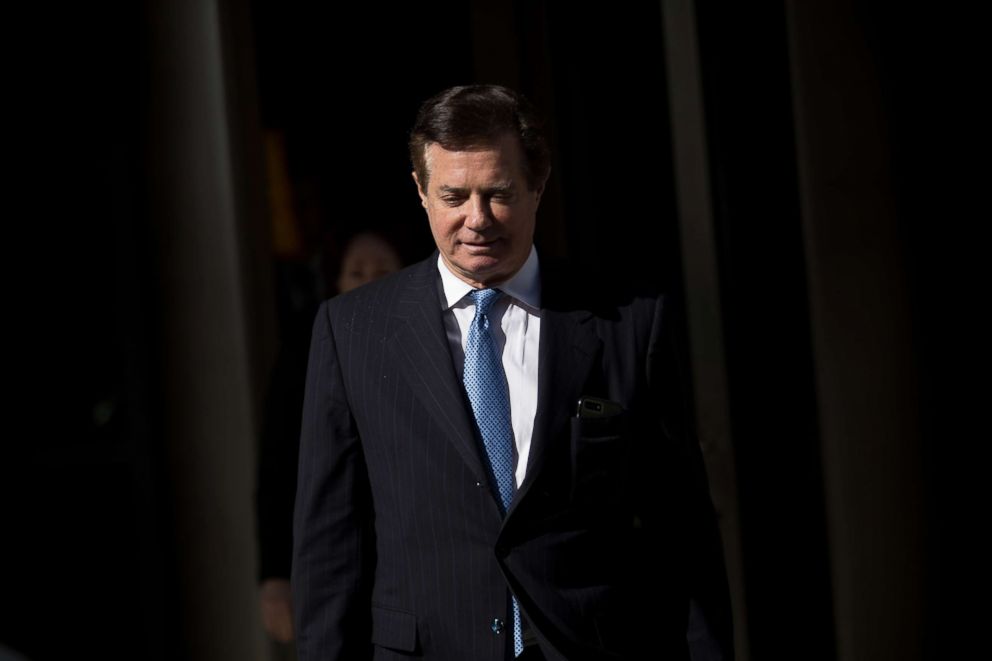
x: 420, y: 348
x: 568, y: 347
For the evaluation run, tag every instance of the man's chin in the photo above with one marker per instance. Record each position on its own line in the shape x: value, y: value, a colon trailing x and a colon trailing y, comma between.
x: 482, y: 269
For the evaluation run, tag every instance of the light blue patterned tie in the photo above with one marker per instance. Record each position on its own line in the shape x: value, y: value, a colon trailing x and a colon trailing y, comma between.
x: 485, y: 384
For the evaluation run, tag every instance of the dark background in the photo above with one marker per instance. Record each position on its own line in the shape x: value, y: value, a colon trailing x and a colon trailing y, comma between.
x: 95, y: 554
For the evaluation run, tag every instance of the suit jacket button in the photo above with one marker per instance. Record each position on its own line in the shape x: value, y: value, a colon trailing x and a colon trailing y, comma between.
x: 501, y: 550
x: 497, y: 626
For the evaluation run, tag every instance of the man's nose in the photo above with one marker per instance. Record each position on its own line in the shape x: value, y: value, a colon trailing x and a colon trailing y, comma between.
x: 479, y: 214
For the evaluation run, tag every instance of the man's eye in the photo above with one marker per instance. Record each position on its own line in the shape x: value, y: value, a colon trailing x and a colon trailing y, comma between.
x: 453, y: 201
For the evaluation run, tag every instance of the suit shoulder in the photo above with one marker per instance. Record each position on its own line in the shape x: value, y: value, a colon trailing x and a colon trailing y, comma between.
x: 364, y: 305
x: 608, y: 294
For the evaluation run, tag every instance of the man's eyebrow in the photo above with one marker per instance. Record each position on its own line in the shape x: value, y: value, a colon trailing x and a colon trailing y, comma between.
x: 500, y: 187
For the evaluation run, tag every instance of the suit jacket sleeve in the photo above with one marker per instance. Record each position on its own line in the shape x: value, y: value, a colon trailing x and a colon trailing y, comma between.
x: 700, y: 552
x: 333, y: 549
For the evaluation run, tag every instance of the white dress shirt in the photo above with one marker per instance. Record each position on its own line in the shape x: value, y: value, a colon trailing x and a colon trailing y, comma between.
x: 516, y: 318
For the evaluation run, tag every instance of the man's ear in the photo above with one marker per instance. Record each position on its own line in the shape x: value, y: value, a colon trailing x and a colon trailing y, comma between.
x: 420, y: 190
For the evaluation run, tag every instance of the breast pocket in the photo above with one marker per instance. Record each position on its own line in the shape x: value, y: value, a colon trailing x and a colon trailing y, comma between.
x: 600, y: 461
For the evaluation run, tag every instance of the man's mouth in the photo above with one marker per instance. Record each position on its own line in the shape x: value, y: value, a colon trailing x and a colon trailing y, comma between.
x: 480, y: 245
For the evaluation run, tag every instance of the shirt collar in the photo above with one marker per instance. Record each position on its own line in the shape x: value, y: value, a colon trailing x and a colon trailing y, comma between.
x: 524, y: 286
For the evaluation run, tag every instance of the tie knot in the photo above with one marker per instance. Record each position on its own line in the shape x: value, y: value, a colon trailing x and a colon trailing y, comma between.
x: 484, y: 299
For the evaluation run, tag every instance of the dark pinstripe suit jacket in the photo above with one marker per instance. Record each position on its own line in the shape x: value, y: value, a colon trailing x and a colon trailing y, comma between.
x: 400, y: 550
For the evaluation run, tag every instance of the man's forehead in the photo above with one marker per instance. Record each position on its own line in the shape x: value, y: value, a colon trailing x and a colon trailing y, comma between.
x: 464, y: 159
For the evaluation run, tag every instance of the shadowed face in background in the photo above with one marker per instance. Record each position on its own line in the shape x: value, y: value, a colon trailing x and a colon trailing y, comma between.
x: 367, y: 258
x: 482, y: 213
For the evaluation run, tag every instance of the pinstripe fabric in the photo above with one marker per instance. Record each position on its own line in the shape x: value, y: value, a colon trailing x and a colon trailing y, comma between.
x: 402, y: 551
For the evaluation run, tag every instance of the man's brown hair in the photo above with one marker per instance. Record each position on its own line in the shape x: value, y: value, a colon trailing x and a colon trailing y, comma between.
x: 472, y: 116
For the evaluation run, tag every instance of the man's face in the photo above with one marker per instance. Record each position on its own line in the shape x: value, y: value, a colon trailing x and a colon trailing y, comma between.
x: 481, y: 212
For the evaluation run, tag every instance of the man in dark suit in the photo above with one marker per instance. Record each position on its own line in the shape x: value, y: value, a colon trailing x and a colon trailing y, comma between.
x: 496, y: 458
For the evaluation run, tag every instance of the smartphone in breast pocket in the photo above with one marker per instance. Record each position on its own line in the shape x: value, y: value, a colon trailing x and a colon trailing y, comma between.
x: 596, y: 407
